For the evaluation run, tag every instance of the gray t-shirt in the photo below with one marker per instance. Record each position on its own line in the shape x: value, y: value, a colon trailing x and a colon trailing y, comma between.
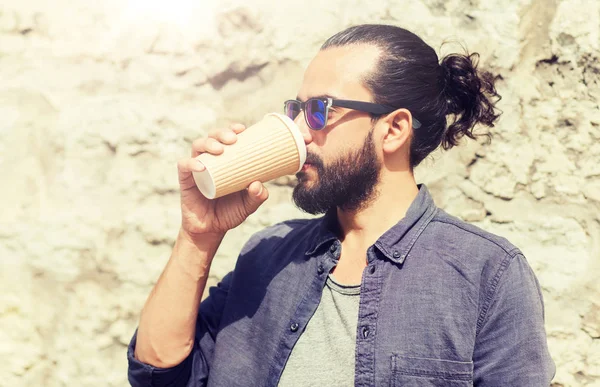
x: 324, y: 353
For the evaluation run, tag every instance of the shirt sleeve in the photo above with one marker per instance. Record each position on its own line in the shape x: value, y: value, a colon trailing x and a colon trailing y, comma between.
x: 511, y: 347
x: 194, y: 370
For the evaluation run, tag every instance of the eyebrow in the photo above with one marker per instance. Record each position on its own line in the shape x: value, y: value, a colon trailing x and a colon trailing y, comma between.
x: 322, y: 96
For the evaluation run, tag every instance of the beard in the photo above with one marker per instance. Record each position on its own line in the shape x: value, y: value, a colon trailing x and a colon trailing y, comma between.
x: 348, y: 183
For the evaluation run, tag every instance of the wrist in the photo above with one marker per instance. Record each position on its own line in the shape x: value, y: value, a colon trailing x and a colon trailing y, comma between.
x: 207, y: 243
x: 194, y: 256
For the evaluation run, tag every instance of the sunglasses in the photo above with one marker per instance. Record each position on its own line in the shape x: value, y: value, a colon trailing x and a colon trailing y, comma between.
x: 316, y: 110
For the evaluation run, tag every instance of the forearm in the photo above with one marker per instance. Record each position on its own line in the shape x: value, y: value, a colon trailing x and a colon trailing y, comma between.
x: 166, y: 330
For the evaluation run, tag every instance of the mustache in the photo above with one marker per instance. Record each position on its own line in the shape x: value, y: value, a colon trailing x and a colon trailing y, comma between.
x: 313, y: 159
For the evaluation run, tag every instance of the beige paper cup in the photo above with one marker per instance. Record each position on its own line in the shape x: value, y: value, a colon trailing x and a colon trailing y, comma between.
x: 271, y: 148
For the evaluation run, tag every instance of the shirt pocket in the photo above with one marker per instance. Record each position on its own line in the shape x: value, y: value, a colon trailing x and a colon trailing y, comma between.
x: 423, y: 372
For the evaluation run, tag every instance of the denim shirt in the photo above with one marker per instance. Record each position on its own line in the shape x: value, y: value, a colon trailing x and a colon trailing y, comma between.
x: 442, y: 303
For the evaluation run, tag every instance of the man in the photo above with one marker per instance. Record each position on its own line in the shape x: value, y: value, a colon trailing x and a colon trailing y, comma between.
x: 386, y: 288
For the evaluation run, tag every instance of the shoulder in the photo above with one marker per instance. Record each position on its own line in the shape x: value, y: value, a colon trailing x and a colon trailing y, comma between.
x: 494, y: 257
x: 273, y: 248
x: 468, y: 237
x: 486, y: 256
x: 497, y: 265
x: 274, y: 237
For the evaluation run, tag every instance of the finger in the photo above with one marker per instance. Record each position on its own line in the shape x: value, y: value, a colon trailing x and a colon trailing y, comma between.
x: 185, y: 169
x: 206, y: 145
x: 237, y: 128
x: 187, y: 166
x: 224, y: 136
x: 256, y: 194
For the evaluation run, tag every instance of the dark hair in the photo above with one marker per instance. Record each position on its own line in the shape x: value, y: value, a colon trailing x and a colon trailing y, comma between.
x: 409, y: 75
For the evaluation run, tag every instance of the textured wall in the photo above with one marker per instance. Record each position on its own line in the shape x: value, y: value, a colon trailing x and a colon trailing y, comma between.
x: 98, y: 100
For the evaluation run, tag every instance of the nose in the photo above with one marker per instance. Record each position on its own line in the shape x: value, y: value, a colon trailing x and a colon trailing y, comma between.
x: 304, y: 129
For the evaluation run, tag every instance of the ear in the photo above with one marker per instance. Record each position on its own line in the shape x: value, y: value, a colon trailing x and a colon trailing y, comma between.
x: 398, y: 130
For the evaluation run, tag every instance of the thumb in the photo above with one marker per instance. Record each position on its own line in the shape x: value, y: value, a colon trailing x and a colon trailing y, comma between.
x: 255, y: 195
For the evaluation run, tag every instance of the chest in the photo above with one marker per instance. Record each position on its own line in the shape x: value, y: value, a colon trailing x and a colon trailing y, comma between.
x: 405, y: 316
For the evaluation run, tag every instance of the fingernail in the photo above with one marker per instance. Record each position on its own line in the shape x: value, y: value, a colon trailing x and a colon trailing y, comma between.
x: 201, y: 166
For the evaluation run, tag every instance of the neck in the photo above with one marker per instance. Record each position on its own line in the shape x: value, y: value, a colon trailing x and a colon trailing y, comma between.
x: 363, y: 227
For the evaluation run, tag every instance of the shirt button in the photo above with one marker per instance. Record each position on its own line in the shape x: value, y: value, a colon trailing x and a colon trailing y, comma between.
x: 396, y: 254
x: 332, y: 248
x: 294, y: 327
x: 365, y: 332
x: 372, y: 270
x: 320, y: 269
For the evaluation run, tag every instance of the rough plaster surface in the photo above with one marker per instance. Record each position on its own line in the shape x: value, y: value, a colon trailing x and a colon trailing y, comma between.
x: 99, y: 100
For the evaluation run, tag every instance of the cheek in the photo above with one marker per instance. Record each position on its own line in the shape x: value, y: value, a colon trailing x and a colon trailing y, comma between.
x: 342, y: 136
x: 337, y: 140
x: 333, y: 152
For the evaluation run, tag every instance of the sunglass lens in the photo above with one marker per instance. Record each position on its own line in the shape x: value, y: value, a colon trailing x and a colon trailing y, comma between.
x: 292, y: 109
x: 315, y: 114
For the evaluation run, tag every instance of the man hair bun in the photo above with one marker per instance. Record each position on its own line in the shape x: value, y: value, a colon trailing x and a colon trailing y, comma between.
x: 470, y: 97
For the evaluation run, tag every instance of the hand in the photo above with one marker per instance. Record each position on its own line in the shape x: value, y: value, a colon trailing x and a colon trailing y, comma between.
x: 205, y: 218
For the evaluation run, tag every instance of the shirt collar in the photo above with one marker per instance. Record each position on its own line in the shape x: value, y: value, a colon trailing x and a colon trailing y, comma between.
x: 395, y: 243
x: 325, y: 231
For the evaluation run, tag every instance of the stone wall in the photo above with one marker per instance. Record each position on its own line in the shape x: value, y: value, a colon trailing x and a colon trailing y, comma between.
x: 98, y: 100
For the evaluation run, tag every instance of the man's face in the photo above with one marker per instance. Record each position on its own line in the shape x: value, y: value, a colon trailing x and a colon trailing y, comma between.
x: 343, y: 163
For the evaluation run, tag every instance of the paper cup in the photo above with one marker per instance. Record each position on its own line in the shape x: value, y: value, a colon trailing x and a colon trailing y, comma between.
x: 271, y: 148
